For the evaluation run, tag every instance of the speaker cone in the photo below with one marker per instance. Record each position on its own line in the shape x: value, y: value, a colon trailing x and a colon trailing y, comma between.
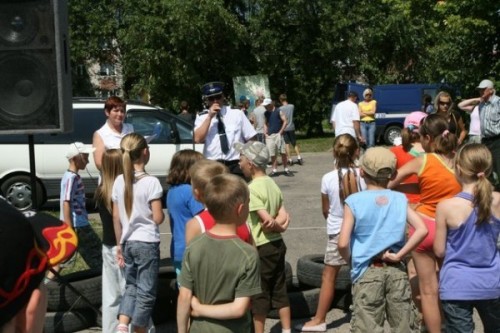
x: 25, y: 88
x: 18, y: 26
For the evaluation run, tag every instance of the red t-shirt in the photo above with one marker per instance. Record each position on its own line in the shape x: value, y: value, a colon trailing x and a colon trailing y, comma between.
x: 207, y: 222
x: 404, y: 157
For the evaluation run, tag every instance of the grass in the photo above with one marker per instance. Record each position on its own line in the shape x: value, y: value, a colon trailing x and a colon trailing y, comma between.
x: 316, y: 144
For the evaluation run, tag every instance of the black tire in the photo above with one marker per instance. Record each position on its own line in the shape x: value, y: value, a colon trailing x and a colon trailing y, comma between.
x: 390, y: 133
x: 17, y: 191
x: 88, y: 283
x: 165, y: 308
x: 310, y: 271
x: 288, y: 275
x: 69, y: 321
x: 303, y: 303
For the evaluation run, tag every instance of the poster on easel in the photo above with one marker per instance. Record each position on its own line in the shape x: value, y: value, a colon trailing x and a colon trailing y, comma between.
x: 251, y: 87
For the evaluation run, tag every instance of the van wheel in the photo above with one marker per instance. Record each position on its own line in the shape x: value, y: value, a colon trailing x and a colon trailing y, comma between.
x: 17, y: 191
x: 391, y: 133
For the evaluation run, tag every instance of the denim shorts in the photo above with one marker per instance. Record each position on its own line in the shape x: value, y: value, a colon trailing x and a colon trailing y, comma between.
x: 141, y: 279
x: 458, y: 315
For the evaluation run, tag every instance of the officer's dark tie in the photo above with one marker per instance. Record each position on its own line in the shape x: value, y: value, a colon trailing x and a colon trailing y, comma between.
x: 222, y: 135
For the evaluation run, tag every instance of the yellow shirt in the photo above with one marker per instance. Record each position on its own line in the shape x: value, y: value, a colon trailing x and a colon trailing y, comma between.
x: 368, y: 107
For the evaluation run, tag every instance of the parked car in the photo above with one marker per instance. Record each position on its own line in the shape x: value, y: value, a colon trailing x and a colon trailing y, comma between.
x: 172, y: 134
x: 394, y: 103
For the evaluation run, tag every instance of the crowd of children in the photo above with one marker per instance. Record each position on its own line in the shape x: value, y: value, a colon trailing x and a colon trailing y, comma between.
x: 367, y: 202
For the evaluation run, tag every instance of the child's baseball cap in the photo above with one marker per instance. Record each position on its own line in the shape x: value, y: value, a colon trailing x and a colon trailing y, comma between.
x: 255, y: 151
x: 413, y: 120
x: 77, y: 148
x: 378, y: 162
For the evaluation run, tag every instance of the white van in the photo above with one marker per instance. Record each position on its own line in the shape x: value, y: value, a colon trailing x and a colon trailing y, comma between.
x: 172, y: 134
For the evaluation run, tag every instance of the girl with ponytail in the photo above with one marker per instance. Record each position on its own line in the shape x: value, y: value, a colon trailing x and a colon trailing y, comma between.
x: 467, y: 234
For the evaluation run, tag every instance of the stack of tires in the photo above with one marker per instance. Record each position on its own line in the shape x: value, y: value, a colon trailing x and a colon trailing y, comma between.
x: 304, y: 291
x: 67, y: 311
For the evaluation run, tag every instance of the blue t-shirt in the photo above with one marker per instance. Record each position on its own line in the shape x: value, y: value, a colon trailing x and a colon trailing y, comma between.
x: 379, y: 224
x: 274, y: 121
x: 182, y: 206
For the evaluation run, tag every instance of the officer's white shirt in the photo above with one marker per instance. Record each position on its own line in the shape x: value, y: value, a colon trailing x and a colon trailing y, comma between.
x: 238, y: 129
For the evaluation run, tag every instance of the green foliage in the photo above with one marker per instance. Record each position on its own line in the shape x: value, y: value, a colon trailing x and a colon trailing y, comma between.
x: 169, y: 48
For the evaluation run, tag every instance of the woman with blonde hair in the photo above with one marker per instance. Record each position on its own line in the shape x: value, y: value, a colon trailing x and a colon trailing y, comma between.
x: 367, y: 110
x: 444, y: 106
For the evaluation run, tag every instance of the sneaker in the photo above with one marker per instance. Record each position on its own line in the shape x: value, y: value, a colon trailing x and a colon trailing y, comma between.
x: 290, y: 162
x: 288, y: 172
x: 273, y: 173
x: 122, y: 328
x: 300, y: 161
x: 315, y: 328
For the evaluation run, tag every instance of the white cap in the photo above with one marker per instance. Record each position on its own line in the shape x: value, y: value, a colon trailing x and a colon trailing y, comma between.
x: 77, y: 148
x: 266, y: 101
x: 485, y: 84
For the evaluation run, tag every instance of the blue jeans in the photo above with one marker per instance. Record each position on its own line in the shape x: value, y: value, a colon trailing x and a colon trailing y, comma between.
x: 458, y: 315
x: 368, y: 132
x: 142, y: 262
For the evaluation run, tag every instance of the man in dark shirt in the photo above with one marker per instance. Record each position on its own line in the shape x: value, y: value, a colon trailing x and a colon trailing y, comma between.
x: 274, y: 127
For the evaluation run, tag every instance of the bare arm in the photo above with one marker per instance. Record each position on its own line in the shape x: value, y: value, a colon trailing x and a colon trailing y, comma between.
x: 420, y: 232
x: 357, y: 129
x: 192, y: 230
x: 67, y: 213
x: 232, y: 310
x: 284, y: 123
x: 201, y: 132
x: 463, y: 131
x: 469, y: 104
x: 345, y: 234
x: 412, y: 167
x: 183, y: 309
x: 98, y: 144
x: 157, y: 208
x: 325, y: 205
x: 282, y: 220
x: 118, y: 235
x: 441, y: 230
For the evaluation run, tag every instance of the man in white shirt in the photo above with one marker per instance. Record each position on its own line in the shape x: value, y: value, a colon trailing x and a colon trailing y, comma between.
x: 219, y: 127
x: 345, y: 117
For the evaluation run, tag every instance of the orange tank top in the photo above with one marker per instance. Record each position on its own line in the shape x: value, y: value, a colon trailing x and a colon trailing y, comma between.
x: 437, y: 182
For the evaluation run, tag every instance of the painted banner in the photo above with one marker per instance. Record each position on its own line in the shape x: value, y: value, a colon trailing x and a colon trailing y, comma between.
x: 251, y: 87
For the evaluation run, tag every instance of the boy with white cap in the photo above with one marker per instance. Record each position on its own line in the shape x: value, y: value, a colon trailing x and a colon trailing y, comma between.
x: 372, y: 238
x: 73, y: 210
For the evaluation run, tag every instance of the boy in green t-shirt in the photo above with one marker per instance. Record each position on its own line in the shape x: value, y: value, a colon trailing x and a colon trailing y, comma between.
x: 219, y: 272
x: 267, y: 220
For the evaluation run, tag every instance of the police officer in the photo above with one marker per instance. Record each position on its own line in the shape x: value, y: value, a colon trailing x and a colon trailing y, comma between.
x: 219, y: 127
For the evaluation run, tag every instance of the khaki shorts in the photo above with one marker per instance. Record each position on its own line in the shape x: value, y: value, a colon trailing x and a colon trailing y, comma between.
x: 276, y: 144
x: 332, y: 255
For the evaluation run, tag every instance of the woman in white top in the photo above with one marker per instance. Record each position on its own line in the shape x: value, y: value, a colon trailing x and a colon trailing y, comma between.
x: 113, y: 130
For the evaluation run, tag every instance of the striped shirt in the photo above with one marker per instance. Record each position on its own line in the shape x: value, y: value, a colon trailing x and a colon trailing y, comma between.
x: 489, y: 114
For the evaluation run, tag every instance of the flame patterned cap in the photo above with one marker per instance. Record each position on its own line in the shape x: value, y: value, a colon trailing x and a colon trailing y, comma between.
x: 28, y: 247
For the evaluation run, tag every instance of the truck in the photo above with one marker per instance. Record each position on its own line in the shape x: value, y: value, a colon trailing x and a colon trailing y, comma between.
x: 394, y: 103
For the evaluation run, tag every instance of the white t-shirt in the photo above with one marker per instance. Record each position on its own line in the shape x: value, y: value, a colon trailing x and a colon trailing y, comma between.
x: 112, y: 139
x: 330, y: 187
x: 140, y: 226
x: 344, y: 114
x: 475, y: 122
x: 238, y: 129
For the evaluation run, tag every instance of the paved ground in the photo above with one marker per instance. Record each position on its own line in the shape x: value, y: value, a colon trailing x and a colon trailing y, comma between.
x: 306, y: 234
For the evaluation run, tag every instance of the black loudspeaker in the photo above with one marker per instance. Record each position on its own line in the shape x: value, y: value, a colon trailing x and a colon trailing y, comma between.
x: 35, y: 73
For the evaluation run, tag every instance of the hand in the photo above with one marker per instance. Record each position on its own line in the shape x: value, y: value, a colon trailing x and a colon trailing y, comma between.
x: 361, y: 139
x: 195, y: 303
x: 268, y: 225
x: 390, y: 257
x: 119, y: 257
x: 214, y: 110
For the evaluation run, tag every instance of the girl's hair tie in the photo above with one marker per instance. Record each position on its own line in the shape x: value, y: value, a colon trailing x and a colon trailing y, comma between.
x: 445, y: 133
x: 480, y: 174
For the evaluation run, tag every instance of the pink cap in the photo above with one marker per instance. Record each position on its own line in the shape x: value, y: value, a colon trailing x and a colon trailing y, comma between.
x: 414, y: 118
